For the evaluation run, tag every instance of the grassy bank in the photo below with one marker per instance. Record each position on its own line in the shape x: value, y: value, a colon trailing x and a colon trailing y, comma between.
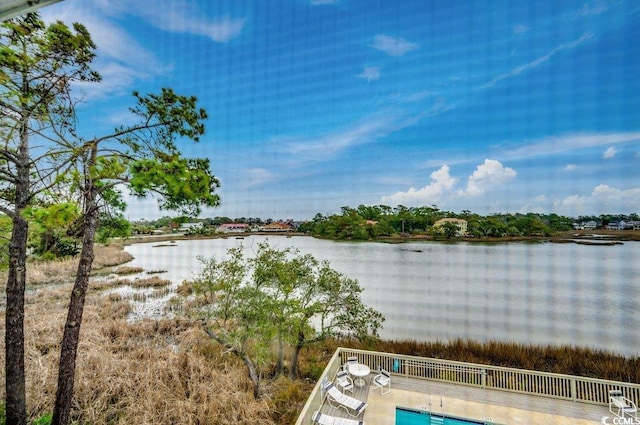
x: 168, y: 371
x: 61, y: 271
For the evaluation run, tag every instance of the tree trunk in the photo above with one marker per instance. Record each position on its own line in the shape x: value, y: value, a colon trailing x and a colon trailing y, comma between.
x: 293, y: 372
x: 16, y: 405
x: 71, y: 337
x: 280, y: 361
x: 251, y: 367
x: 253, y: 375
x: 16, y: 410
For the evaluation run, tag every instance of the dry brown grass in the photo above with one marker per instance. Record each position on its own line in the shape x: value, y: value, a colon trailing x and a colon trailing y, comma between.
x: 147, y: 282
x: 148, y: 372
x: 185, y: 288
x: 150, y: 282
x: 61, y: 271
x: 569, y: 360
x: 128, y: 270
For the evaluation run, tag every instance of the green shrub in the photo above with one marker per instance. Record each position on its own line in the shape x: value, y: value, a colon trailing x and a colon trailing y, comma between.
x: 44, y: 419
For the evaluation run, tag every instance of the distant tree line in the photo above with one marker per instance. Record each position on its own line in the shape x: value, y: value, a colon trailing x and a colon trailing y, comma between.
x: 371, y: 222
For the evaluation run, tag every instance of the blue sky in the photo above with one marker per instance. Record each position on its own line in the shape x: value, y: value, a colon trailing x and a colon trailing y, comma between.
x: 500, y: 106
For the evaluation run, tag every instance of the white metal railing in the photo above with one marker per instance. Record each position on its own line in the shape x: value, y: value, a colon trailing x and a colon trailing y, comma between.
x: 565, y: 387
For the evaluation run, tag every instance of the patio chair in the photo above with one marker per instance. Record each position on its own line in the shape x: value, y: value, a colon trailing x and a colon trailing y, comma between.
x: 382, y: 380
x: 620, y: 406
x: 336, y: 399
x: 350, y: 361
x: 322, y: 419
x: 344, y: 381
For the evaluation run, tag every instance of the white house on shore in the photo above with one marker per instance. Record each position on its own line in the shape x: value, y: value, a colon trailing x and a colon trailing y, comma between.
x: 462, y: 224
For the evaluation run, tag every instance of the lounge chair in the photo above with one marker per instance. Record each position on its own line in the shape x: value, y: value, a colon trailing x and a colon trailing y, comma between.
x: 621, y: 406
x: 382, y: 380
x: 322, y: 419
x: 336, y: 399
x: 344, y: 381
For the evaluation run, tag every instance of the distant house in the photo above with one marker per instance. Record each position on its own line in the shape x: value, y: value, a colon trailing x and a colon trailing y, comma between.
x: 185, y: 227
x: 587, y: 225
x: 232, y: 228
x: 276, y: 227
x: 623, y: 225
x: 462, y: 224
x: 371, y: 222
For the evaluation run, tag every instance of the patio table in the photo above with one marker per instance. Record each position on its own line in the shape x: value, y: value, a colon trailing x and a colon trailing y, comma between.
x: 359, y: 370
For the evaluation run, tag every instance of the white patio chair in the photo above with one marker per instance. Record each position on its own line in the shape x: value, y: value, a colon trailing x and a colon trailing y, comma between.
x: 382, y: 380
x: 350, y: 361
x: 336, y: 399
x: 621, y: 406
x: 344, y: 381
x: 322, y: 419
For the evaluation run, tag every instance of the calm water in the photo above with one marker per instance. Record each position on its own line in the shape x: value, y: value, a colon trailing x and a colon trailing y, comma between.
x: 530, y: 293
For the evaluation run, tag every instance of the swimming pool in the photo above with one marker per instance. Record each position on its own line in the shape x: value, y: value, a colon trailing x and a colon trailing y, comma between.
x: 406, y: 416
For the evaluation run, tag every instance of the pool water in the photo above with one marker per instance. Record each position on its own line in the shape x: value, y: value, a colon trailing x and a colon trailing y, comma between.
x: 406, y: 416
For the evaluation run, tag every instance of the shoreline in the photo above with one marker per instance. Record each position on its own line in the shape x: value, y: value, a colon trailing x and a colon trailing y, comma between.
x: 581, y: 237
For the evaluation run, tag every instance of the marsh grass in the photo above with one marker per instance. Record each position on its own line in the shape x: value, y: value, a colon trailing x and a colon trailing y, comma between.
x: 62, y: 271
x: 146, y: 282
x: 139, y: 296
x: 128, y: 270
x: 147, y: 372
x: 150, y: 282
x: 563, y: 359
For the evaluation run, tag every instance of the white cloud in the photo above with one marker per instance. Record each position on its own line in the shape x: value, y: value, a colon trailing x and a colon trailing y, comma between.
x: 605, y: 193
x: 593, y: 8
x: 393, y: 46
x: 520, y: 29
x: 570, y: 167
x: 488, y: 175
x: 369, y: 130
x: 176, y: 19
x: 532, y: 208
x: 121, y: 59
x: 257, y: 177
x: 179, y: 16
x: 441, y: 182
x: 609, y: 153
x: 370, y: 73
x: 573, y: 205
x: 535, y: 63
x: 569, y: 142
x: 603, y: 199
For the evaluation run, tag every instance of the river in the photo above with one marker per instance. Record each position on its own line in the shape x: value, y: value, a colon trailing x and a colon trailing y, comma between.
x: 539, y: 293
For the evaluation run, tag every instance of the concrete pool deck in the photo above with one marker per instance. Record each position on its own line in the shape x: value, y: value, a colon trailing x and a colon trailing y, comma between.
x: 492, y: 406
